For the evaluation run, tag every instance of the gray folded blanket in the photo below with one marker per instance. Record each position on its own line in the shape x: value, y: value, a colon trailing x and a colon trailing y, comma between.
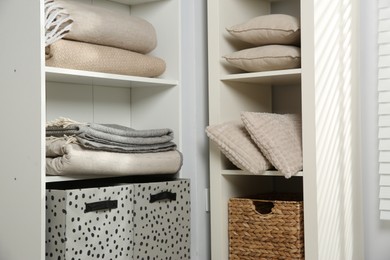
x: 112, y: 137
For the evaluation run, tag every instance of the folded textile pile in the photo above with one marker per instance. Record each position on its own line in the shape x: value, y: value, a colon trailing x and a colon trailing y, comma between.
x: 260, y: 141
x: 108, y: 149
x: 101, y: 40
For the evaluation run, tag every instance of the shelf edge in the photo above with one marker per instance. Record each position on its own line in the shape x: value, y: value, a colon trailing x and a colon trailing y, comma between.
x: 266, y: 173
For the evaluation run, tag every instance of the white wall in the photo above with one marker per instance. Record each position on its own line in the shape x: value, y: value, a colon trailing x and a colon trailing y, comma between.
x: 377, y: 232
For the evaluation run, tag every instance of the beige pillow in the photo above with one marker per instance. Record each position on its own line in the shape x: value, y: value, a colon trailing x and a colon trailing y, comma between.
x: 265, y: 58
x: 268, y: 29
x: 235, y: 143
x: 279, y: 138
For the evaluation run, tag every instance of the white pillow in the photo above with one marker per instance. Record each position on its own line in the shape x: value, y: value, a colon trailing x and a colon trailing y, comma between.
x: 266, y: 58
x: 235, y: 143
x: 268, y: 29
x: 279, y: 138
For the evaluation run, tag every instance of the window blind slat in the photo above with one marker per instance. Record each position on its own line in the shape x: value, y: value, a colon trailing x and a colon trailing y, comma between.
x: 384, y: 109
x: 384, y: 25
x: 385, y: 95
x: 383, y: 3
x: 384, y: 61
x: 384, y: 145
x: 384, y: 73
x: 384, y: 132
x: 384, y: 168
x: 384, y: 193
x: 384, y: 84
x: 383, y: 37
x: 385, y: 215
x: 384, y: 13
x: 384, y: 120
x: 384, y: 157
x: 384, y: 180
x: 384, y: 205
x: 384, y: 49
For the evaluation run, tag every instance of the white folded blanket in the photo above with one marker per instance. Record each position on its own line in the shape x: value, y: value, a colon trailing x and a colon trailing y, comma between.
x: 67, y: 158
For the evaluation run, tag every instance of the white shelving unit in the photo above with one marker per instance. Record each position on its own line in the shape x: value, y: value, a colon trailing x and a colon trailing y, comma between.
x: 323, y: 91
x: 33, y: 94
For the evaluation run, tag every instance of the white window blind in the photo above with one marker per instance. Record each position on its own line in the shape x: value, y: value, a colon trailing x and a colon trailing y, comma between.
x: 384, y: 106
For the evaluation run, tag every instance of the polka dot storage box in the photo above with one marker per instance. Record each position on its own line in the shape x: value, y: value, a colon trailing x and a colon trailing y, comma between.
x: 123, y: 221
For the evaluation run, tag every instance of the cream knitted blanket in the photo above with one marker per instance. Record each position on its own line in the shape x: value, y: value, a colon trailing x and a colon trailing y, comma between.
x: 64, y: 157
x: 91, y: 57
x: 98, y: 25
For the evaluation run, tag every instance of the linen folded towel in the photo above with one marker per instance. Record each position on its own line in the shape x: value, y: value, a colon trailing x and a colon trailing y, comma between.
x: 111, y: 137
x: 98, y: 25
x: 67, y: 158
x: 91, y: 57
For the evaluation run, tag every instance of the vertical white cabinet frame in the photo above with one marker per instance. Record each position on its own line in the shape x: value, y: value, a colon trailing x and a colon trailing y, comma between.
x: 32, y: 94
x: 324, y: 91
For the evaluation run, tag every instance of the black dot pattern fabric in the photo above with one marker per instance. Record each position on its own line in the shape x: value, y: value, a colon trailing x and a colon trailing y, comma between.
x: 162, y: 228
x: 73, y: 234
x: 126, y: 224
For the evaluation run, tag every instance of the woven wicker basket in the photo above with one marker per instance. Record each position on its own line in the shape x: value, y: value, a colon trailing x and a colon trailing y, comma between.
x: 265, y: 229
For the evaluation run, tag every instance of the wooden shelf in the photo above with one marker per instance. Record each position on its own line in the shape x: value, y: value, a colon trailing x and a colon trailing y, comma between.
x: 278, y: 77
x: 246, y: 173
x: 104, y: 79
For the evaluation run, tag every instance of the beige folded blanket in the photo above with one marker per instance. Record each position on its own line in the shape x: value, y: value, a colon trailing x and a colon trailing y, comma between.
x: 98, y: 25
x: 67, y: 158
x: 92, y: 57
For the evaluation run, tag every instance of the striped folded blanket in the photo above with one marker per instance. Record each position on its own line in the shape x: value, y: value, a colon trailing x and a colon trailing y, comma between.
x: 111, y: 137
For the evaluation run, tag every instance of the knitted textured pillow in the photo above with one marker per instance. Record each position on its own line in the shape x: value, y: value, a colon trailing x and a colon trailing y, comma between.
x: 279, y: 138
x: 268, y: 29
x: 235, y: 143
x: 266, y: 58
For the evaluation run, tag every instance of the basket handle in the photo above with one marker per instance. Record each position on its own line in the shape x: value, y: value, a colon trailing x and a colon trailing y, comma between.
x: 263, y: 207
x: 101, y: 205
x: 164, y: 195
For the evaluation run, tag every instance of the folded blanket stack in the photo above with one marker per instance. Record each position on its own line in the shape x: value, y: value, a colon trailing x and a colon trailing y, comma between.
x: 101, y: 40
x: 108, y: 149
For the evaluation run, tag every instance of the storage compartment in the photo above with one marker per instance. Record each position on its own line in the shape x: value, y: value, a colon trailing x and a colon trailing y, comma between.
x: 233, y: 12
x: 137, y: 102
x: 162, y: 220
x: 92, y: 223
x: 266, y: 227
x: 123, y: 221
x: 268, y: 96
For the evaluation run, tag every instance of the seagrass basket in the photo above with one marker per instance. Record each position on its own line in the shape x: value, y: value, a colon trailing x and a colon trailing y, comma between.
x: 265, y: 229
